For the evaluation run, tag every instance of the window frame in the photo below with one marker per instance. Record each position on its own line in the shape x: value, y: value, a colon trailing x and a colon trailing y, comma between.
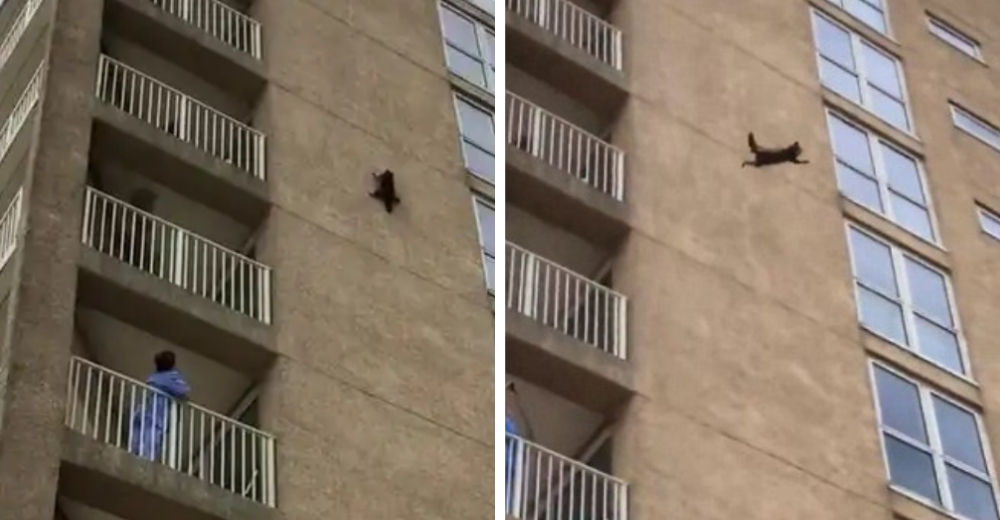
x: 861, y: 72
x: 936, y: 26
x: 478, y: 199
x: 934, y: 448
x: 882, y: 176
x: 898, y: 256
x: 955, y: 108
x: 982, y: 212
x: 457, y: 97
x: 480, y: 28
x: 884, y: 9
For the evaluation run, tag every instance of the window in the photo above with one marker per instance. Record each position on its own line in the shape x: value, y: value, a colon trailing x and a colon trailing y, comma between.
x: 954, y: 37
x: 485, y: 222
x: 485, y: 5
x: 475, y: 124
x: 989, y: 222
x: 905, y: 301
x: 468, y: 47
x: 854, y: 68
x: 933, y: 447
x: 881, y: 177
x: 871, y: 12
x: 975, y: 126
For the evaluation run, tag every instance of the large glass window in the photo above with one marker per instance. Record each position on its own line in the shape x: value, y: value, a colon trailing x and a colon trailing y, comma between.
x: 857, y: 70
x: 880, y: 176
x: 468, y: 47
x: 486, y: 222
x: 476, y: 127
x: 933, y: 446
x: 871, y: 12
x: 905, y: 300
x: 976, y: 126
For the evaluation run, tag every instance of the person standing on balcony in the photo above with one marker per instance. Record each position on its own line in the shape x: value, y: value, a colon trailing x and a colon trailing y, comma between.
x: 151, y: 421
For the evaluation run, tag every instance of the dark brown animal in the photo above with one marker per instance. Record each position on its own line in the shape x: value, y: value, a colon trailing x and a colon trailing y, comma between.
x: 768, y: 156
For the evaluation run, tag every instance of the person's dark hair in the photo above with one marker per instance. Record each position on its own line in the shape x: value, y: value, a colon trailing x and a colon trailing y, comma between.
x: 164, y: 361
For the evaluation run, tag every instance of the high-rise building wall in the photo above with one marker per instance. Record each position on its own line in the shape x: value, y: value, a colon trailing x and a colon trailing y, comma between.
x: 196, y: 176
x: 728, y: 331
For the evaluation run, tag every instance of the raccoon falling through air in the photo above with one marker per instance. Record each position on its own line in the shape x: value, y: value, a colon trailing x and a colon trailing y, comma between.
x: 768, y: 156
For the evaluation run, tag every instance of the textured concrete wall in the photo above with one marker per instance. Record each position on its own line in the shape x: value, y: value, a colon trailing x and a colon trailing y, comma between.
x: 382, y: 399
x: 754, y: 400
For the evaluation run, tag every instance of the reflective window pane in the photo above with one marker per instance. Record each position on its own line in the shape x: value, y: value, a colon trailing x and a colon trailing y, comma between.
x: 873, y: 263
x: 466, y: 67
x: 850, y: 145
x: 954, y: 38
x: 938, y: 344
x: 903, y: 174
x: 485, y: 218
x: 990, y: 223
x: 912, y: 217
x: 882, y: 316
x: 899, y: 405
x: 928, y: 291
x: 959, y: 434
x: 460, y: 31
x: 868, y: 14
x: 476, y: 125
x: 975, y: 126
x: 839, y: 81
x: 859, y: 188
x: 973, y: 498
x: 911, y: 468
x: 881, y: 71
x: 834, y: 43
x: 889, y: 109
x: 478, y: 161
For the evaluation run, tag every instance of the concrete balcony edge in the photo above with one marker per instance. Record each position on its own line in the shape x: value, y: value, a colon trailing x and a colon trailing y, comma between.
x: 166, y: 310
x: 222, y: 64
x: 112, y: 480
x: 558, y: 197
x: 566, y: 366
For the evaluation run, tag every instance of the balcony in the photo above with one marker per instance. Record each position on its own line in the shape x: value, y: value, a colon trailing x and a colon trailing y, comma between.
x: 180, y: 142
x: 566, y: 332
x: 541, y: 484
x: 175, y: 284
x: 564, y: 174
x: 570, y: 48
x: 208, y: 37
x: 25, y: 27
x: 137, y: 453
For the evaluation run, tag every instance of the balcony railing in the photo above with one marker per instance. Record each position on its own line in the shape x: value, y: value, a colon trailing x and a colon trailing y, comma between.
x: 181, y: 116
x: 9, y: 229
x: 565, y: 146
x: 541, y: 484
x: 566, y: 301
x: 219, y: 20
x: 17, y: 29
x: 580, y: 28
x: 177, y: 255
x: 22, y: 110
x: 115, y: 409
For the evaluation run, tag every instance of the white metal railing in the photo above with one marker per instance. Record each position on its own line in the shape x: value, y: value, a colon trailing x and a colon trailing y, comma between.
x: 219, y: 20
x: 9, y: 229
x: 541, y: 484
x: 566, y: 301
x: 115, y: 409
x: 565, y: 146
x: 177, y: 255
x: 181, y: 116
x: 572, y: 23
x: 17, y: 29
x: 22, y: 109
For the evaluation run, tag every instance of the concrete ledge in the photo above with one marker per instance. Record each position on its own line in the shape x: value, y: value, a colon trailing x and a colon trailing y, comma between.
x: 163, y: 309
x: 563, y: 199
x: 113, y: 480
x: 564, y: 66
x: 184, y: 44
x: 566, y: 366
x: 169, y: 161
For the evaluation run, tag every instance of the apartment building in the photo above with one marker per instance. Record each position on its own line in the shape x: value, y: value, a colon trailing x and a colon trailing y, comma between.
x: 690, y: 339
x: 195, y: 176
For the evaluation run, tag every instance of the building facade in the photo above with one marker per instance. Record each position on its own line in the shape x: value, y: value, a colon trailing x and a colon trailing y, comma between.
x: 690, y: 339
x: 196, y: 176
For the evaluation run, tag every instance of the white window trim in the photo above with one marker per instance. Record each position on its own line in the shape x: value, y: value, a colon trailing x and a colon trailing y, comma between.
x: 885, y: 14
x: 955, y: 107
x: 882, y: 177
x: 480, y: 29
x: 933, y: 22
x: 862, y: 72
x: 905, y: 301
x: 983, y: 212
x: 479, y: 199
x: 458, y: 95
x: 926, y: 397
